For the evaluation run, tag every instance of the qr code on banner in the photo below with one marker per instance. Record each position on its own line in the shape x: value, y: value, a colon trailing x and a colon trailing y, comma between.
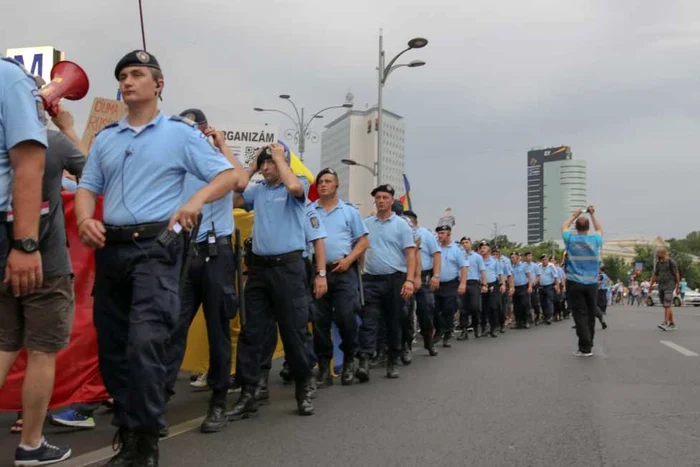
x: 249, y: 154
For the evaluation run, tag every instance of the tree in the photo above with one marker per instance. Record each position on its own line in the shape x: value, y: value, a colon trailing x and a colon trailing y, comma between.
x: 690, y: 244
x: 506, y: 245
x: 616, y: 268
x: 645, y: 254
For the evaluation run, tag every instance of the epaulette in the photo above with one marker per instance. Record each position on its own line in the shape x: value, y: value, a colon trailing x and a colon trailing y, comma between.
x: 19, y: 64
x: 111, y: 125
x: 186, y: 121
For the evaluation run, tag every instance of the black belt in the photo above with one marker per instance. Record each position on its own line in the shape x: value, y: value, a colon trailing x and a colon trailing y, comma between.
x: 221, y: 241
x: 380, y: 277
x: 547, y: 286
x: 452, y: 282
x: 261, y: 261
x: 129, y: 233
x: 473, y: 282
x: 518, y: 287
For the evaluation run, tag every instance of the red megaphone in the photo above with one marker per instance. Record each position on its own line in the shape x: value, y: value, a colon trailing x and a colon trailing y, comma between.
x: 68, y: 81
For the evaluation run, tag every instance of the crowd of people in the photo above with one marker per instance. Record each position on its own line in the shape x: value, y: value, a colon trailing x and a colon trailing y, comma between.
x: 163, y: 248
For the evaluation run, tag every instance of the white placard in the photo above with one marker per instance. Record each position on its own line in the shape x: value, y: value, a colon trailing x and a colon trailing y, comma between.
x: 37, y: 60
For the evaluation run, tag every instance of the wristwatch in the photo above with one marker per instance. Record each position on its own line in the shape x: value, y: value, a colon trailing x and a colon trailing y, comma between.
x: 321, y: 273
x: 436, y: 276
x: 27, y: 245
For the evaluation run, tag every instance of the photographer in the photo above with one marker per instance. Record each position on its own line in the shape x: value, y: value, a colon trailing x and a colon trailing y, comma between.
x: 582, y: 252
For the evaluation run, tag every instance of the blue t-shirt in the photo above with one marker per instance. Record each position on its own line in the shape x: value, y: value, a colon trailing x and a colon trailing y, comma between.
x: 521, y: 274
x: 548, y: 274
x: 452, y: 260
x: 475, y: 263
x: 494, y: 268
x: 583, y: 257
x: 428, y: 248
x: 344, y: 226
x: 388, y: 240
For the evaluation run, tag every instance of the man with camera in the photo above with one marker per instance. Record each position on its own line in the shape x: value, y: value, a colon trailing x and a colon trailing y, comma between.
x: 582, y: 261
x: 140, y: 165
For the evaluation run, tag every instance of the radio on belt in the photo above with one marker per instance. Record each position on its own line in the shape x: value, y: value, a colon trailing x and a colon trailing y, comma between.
x: 211, y: 242
x: 166, y: 237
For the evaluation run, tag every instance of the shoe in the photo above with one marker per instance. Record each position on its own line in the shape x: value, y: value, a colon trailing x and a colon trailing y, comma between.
x: 463, y: 336
x: 502, y: 330
x: 493, y: 334
x: 527, y: 326
x: 200, y: 384
x: 233, y: 385
x: 663, y: 327
x: 604, y: 324
x: 72, y: 418
x: 45, y: 454
x: 407, y: 355
x: 216, y: 419
x: 429, y: 345
x: 391, y: 371
x: 324, y: 377
x: 671, y: 327
x: 164, y: 432
x: 124, y: 441
x: 548, y: 322
x: 146, y: 450
x: 578, y: 353
x: 286, y: 373
x: 362, y: 373
x: 246, y: 406
x: 347, y: 376
x: 379, y: 359
x: 446, y: 342
x: 262, y: 390
x: 303, y: 391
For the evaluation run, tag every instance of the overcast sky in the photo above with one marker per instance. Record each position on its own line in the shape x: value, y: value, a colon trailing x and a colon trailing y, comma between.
x: 618, y: 81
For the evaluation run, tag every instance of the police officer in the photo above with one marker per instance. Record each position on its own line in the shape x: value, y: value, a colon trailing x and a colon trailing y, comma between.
x: 453, y: 282
x: 535, y: 296
x: 277, y: 288
x: 491, y: 298
x: 507, y: 295
x: 430, y: 255
x: 23, y: 142
x: 140, y: 164
x: 522, y: 286
x: 476, y: 285
x: 209, y: 283
x: 549, y: 285
x: 388, y: 281
x: 408, y: 314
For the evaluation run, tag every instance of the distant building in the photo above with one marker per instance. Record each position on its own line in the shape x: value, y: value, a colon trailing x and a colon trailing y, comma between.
x: 556, y: 186
x: 354, y: 136
x: 625, y: 247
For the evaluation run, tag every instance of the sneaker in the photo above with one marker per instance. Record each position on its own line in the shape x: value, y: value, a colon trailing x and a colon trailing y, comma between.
x: 200, y: 383
x: 663, y: 327
x: 45, y: 454
x: 72, y: 418
x: 671, y: 327
x: 578, y: 353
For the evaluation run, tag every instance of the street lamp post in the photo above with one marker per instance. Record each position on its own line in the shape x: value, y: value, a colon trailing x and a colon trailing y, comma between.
x: 496, y: 228
x: 383, y: 72
x: 373, y: 171
x: 301, y: 125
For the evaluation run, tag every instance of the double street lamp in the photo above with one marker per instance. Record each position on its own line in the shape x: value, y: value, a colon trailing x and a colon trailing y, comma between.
x: 301, y: 125
x: 383, y: 72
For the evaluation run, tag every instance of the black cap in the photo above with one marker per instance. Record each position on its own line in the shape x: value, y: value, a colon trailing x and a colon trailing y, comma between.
x: 410, y: 213
x: 527, y: 253
x: 196, y: 115
x: 325, y: 171
x: 543, y: 256
x: 441, y: 228
x: 464, y: 238
x: 515, y: 253
x: 484, y: 243
x: 386, y: 188
x: 496, y: 249
x: 397, y: 207
x: 136, y: 58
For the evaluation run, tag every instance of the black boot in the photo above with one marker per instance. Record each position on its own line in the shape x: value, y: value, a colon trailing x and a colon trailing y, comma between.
x: 246, y: 406
x: 303, y: 392
x: 216, y: 419
x: 262, y: 390
x: 362, y: 372
x: 147, y: 450
x: 463, y: 335
x: 391, y: 371
x: 324, y: 377
x: 125, y: 441
x: 429, y: 345
x: 407, y: 354
x: 378, y: 360
x: 446, y: 340
x: 286, y: 373
x: 348, y: 375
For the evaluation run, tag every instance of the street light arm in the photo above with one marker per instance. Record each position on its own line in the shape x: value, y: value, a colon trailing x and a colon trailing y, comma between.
x: 371, y: 170
x: 307, y: 124
x: 387, y: 70
x: 296, y: 109
x: 283, y: 113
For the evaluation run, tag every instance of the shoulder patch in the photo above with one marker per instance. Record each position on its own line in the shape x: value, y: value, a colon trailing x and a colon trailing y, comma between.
x: 187, y: 121
x: 111, y: 125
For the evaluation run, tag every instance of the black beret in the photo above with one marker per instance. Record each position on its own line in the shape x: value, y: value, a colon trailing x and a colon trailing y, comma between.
x: 515, y: 253
x: 528, y: 253
x: 196, y: 115
x: 484, y: 243
x: 386, y: 188
x: 136, y: 58
x: 410, y: 213
x: 325, y: 171
x: 397, y: 207
x: 465, y: 238
x: 441, y: 228
x: 496, y: 249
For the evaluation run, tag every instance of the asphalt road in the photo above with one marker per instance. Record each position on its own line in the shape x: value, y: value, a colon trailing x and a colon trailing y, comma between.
x: 520, y: 400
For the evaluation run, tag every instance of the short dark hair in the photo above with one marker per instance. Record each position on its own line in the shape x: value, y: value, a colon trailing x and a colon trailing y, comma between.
x: 582, y: 224
x: 410, y: 213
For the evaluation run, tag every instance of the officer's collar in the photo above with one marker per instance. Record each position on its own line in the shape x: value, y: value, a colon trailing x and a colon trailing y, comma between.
x: 124, y: 122
x: 339, y: 205
x: 388, y: 219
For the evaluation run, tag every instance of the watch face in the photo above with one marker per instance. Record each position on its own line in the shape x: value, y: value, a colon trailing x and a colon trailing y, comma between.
x: 29, y: 245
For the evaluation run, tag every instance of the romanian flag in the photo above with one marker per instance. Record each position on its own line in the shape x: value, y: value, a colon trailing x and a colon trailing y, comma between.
x: 300, y: 170
x: 406, y: 198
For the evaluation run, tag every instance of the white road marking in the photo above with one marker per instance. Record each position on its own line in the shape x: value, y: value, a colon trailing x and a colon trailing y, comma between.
x: 678, y: 348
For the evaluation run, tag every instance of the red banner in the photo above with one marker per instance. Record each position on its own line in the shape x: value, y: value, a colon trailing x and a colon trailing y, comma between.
x: 77, y: 371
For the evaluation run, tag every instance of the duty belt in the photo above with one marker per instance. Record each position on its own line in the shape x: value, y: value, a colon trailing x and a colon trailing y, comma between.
x: 380, y: 277
x: 9, y: 216
x: 473, y: 282
x: 129, y: 233
x: 220, y: 241
x: 261, y: 261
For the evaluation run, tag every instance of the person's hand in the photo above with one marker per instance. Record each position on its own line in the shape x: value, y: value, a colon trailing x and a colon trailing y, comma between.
x: 342, y: 265
x: 434, y: 283
x: 484, y: 289
x: 23, y: 272
x: 320, y: 286
x: 502, y: 288
x: 63, y: 119
x: 407, y: 290
x: 278, y: 153
x: 217, y: 136
x: 92, y: 233
x: 529, y: 289
x: 577, y: 213
x: 591, y: 210
x: 187, y: 215
x: 417, y: 282
x: 557, y: 289
x: 462, y: 289
x: 511, y: 292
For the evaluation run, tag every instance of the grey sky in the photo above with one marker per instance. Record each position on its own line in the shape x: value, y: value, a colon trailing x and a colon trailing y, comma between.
x: 615, y: 80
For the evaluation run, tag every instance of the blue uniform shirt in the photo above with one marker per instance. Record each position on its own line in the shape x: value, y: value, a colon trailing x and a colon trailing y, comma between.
x: 582, y: 259
x: 218, y: 213
x: 493, y: 269
x: 521, y: 274
x: 534, y: 270
x: 311, y: 233
x: 428, y: 247
x: 142, y: 175
x: 21, y: 119
x: 279, y: 219
x: 344, y: 226
x: 451, y: 261
x: 387, y: 241
x: 560, y: 274
x: 548, y: 274
x: 506, y: 266
x: 604, y: 281
x: 475, y: 263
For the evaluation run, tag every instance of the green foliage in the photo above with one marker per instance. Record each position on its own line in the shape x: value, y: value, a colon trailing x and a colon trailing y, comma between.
x: 616, y: 268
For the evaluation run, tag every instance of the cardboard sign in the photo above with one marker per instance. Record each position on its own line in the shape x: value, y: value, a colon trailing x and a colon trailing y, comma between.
x: 104, y: 111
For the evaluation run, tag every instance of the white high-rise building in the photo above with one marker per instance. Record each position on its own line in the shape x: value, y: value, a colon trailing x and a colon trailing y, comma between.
x: 354, y: 136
